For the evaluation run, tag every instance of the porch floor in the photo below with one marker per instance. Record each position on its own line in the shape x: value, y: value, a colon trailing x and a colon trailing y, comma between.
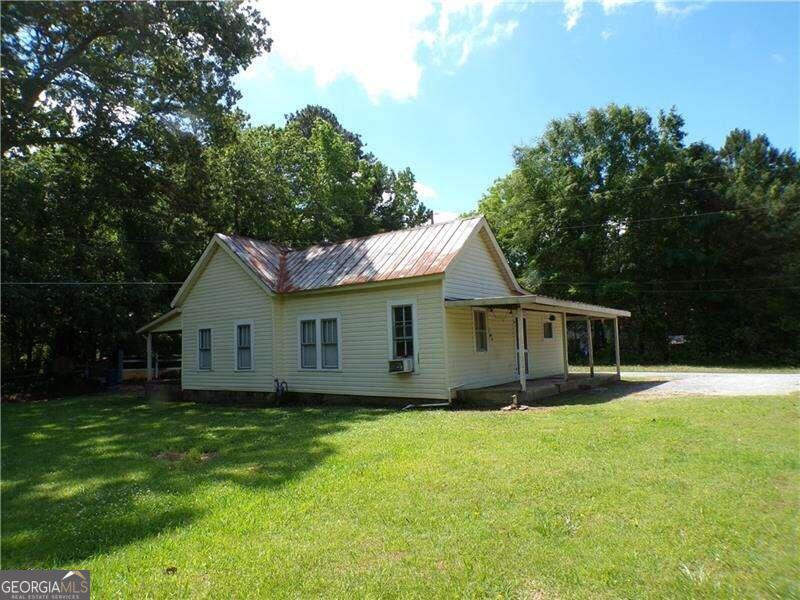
x: 543, y: 387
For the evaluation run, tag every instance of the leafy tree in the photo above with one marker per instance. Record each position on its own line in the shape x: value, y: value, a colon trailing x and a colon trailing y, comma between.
x: 611, y: 207
x: 95, y: 71
x: 306, y: 118
x: 106, y: 217
x: 106, y: 107
x: 297, y: 186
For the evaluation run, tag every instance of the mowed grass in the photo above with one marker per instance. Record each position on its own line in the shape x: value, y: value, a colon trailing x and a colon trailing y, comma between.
x: 610, y: 496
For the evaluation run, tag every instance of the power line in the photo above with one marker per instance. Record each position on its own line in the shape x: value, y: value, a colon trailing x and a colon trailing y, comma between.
x: 650, y: 219
x: 86, y: 283
x: 151, y: 283
x: 770, y: 289
x: 584, y: 226
x: 654, y: 281
x: 565, y: 197
x: 772, y: 168
x: 650, y: 186
x: 647, y: 187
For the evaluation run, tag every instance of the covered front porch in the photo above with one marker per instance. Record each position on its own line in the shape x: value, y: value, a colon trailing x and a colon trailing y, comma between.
x: 550, y: 316
x: 535, y: 389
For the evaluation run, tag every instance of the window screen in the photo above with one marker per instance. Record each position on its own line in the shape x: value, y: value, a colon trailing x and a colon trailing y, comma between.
x: 481, y: 335
x: 308, y: 344
x: 548, y: 330
x: 244, y: 351
x: 204, y: 349
x: 330, y: 344
x: 403, y: 331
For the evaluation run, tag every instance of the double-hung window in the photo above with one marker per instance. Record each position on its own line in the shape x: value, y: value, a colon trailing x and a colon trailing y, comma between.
x: 547, y: 330
x: 330, y: 343
x: 243, y: 338
x: 481, y: 333
x: 319, y: 339
x: 402, y: 328
x: 308, y: 344
x: 204, y: 349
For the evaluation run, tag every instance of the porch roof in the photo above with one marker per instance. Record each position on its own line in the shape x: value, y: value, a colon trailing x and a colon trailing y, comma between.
x: 163, y: 323
x: 542, y: 303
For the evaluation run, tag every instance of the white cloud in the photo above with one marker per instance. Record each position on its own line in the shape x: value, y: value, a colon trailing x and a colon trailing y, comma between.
x: 612, y: 5
x: 673, y: 9
x: 425, y: 192
x: 378, y: 43
x: 464, y: 25
x: 500, y: 31
x: 443, y: 216
x: 573, y: 9
x: 778, y: 57
x: 606, y: 35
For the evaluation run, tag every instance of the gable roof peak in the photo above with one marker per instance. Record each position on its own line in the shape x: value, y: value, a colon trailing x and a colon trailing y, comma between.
x: 413, y: 252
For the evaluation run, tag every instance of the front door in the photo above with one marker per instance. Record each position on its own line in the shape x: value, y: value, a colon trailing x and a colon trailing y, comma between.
x: 525, y: 344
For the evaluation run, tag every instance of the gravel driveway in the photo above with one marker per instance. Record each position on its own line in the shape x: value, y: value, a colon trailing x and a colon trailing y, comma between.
x: 717, y: 384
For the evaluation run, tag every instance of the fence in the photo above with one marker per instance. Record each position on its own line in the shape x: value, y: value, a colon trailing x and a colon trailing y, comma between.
x: 164, y: 366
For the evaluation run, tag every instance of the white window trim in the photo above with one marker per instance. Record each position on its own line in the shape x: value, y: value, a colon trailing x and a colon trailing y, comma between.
x: 236, y: 346
x: 475, y: 331
x: 318, y: 318
x: 197, y: 346
x: 390, y: 325
x: 552, y: 338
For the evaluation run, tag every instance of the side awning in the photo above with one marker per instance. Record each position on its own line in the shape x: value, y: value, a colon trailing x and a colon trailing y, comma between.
x: 543, y: 303
x: 573, y: 311
x: 169, y: 321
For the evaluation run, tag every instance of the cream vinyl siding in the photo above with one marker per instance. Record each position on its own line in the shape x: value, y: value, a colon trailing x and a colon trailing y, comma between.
x: 364, y: 341
x: 223, y: 295
x: 471, y: 369
x: 476, y: 272
x: 546, y: 355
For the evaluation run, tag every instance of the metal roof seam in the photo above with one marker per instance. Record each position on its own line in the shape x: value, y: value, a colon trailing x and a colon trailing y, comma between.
x: 399, y: 254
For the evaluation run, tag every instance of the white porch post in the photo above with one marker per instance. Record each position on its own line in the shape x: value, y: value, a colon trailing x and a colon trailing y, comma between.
x: 591, y: 349
x: 149, y: 338
x: 521, y: 349
x: 564, y: 344
x: 616, y: 342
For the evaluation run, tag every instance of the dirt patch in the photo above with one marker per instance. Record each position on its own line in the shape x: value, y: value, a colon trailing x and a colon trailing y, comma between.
x: 532, y: 590
x: 173, y: 456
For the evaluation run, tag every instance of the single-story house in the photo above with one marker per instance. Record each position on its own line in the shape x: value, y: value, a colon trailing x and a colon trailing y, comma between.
x: 418, y: 313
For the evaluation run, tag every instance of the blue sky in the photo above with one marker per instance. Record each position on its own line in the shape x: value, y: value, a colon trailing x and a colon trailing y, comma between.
x: 449, y: 88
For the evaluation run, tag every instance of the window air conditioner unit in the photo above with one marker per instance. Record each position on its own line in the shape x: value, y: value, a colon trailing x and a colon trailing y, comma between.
x: 401, y: 365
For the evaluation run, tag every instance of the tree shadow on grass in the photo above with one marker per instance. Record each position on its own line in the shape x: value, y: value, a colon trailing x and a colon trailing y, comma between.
x: 82, y: 476
x: 599, y: 395
x: 596, y: 395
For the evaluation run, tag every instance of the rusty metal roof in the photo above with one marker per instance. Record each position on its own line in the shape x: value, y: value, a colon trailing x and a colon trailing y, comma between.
x: 414, y: 252
x: 263, y: 258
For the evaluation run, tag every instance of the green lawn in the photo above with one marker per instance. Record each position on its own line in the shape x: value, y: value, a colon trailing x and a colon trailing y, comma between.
x: 685, y: 369
x: 633, y: 497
